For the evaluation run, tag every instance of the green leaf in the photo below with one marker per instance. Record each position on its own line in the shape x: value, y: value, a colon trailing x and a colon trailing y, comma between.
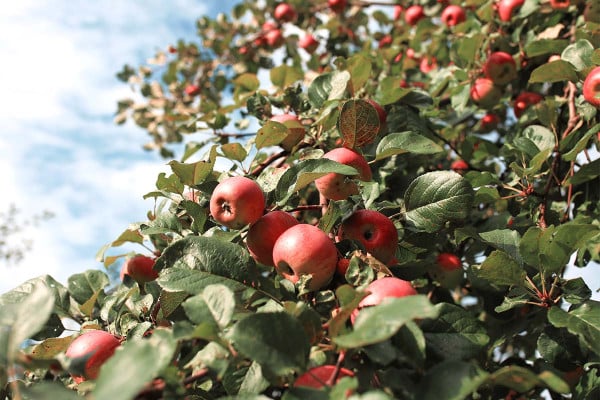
x: 579, y: 54
x: 381, y: 322
x: 540, y: 136
x: 358, y: 123
x: 557, y: 346
x: 523, y: 379
x: 221, y: 303
x: 575, y: 291
x: 234, y: 151
x: 360, y: 69
x: 133, y: 365
x: 47, y: 390
x: 131, y: 235
x: 556, y: 71
x: 436, y: 198
x: 583, y: 321
x: 285, y: 75
x: 170, y: 184
x: 586, y: 173
x: 451, y: 380
x: 329, y: 86
x: 193, y: 173
x: 270, y: 134
x: 455, y: 333
x: 500, y: 269
x: 275, y: 340
x: 405, y: 142
x: 389, y: 90
x: 247, y: 82
x: 198, y: 312
x: 504, y: 239
x: 245, y: 380
x: 541, y: 47
x: 581, y: 144
x: 84, y: 285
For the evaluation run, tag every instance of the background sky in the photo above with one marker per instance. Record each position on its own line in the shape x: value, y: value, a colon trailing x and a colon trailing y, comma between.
x: 60, y: 150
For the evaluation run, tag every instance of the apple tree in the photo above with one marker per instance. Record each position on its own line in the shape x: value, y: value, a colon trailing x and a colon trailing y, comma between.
x: 364, y: 199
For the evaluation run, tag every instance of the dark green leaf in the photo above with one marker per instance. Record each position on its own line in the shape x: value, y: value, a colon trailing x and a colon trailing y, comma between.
x: 234, y: 151
x: 583, y: 321
x: 360, y: 69
x: 579, y: 54
x: 556, y: 71
x: 541, y: 47
x: 575, y: 291
x: 523, y: 379
x: 405, y: 142
x: 330, y: 86
x: 500, y: 269
x: 451, y: 380
x: 84, y: 285
x: 504, y: 239
x: 389, y: 90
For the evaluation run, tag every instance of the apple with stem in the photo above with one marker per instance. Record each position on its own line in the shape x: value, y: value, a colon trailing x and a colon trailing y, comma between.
x: 296, y: 130
x: 453, y: 15
x: 263, y: 234
x: 591, y: 87
x: 485, y: 93
x: 506, y: 8
x: 374, y: 230
x: 285, y: 13
x: 140, y: 268
x: 525, y: 100
x: 304, y: 249
x: 381, y: 289
x: 88, y: 352
x: 500, y: 67
x: 236, y: 202
x: 336, y: 186
x: 414, y: 14
x: 321, y: 376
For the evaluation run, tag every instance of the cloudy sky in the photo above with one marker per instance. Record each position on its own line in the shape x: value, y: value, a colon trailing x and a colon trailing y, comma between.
x: 59, y: 148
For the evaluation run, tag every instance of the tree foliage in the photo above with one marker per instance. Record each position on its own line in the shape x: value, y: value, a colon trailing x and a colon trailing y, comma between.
x: 520, y: 207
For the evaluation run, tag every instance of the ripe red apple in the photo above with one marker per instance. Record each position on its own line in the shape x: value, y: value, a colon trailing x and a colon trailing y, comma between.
x: 274, y: 38
x: 500, y: 67
x: 453, y: 15
x: 506, y: 8
x: 375, y: 231
x: 88, y: 352
x: 381, y: 289
x: 459, y: 166
x: 285, y: 13
x: 263, y: 234
x: 296, y: 130
x: 237, y: 202
x: 318, y: 377
x: 560, y: 4
x: 449, y: 261
x: 385, y: 41
x: 342, y: 266
x: 397, y: 12
x: 428, y: 64
x: 337, y: 6
x: 591, y: 87
x: 485, y: 93
x: 305, y: 249
x: 525, y: 100
x: 140, y: 268
x: 489, y: 122
x: 308, y: 43
x: 337, y: 186
x: 380, y: 111
x: 414, y: 14
x: 192, y: 90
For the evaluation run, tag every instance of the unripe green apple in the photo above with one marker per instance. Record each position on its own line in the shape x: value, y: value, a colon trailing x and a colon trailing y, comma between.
x: 337, y: 186
x: 263, y: 234
x: 237, y: 202
x: 304, y: 249
x: 140, y: 268
x: 88, y: 352
x: 319, y: 377
x: 381, y: 289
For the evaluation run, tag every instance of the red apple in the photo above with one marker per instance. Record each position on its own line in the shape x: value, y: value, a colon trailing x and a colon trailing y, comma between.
x: 308, y: 43
x: 375, y: 231
x: 274, y: 38
x: 525, y: 100
x: 398, y: 12
x: 88, y: 352
x: 296, y: 130
x: 342, y: 266
x: 489, y: 122
x: 385, y: 41
x: 304, y: 249
x: 319, y: 377
x: 263, y: 234
x: 381, y: 289
x: 237, y: 202
x: 192, y: 90
x: 140, y: 268
x: 560, y: 4
x: 414, y: 14
x: 337, y: 186
x: 459, y: 166
x: 449, y: 261
x: 485, y: 93
x: 500, y: 67
x: 591, y: 87
x: 337, y: 6
x: 506, y: 8
x: 285, y: 13
x: 428, y: 64
x: 453, y: 15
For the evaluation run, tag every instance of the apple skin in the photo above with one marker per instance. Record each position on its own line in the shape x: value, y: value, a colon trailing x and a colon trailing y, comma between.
x: 489, y: 122
x: 500, y: 67
x: 448, y: 261
x: 524, y: 100
x: 560, y: 4
x: 591, y: 87
x: 427, y: 64
x: 375, y: 231
x: 414, y: 14
x: 337, y: 6
x: 92, y: 349
x: 296, y: 131
x: 337, y: 186
x: 381, y: 289
x: 385, y: 41
x: 459, y: 166
x: 397, y: 12
x: 274, y: 38
x: 318, y: 377
x: 506, y: 8
x: 485, y: 93
x: 308, y: 43
x: 453, y: 15
x: 237, y: 202
x: 140, y: 268
x: 192, y: 90
x: 285, y: 13
x: 305, y: 249
x: 263, y: 234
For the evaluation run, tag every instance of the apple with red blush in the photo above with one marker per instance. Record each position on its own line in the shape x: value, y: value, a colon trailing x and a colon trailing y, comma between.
x: 263, y: 234
x: 88, y: 352
x: 284, y: 12
x: 322, y: 376
x: 381, y: 289
x: 484, y: 93
x: 525, y: 100
x: 591, y: 87
x: 336, y: 186
x: 508, y: 8
x: 308, y: 43
x: 414, y: 14
x: 453, y: 15
x: 500, y: 67
x: 140, y: 268
x: 236, y: 202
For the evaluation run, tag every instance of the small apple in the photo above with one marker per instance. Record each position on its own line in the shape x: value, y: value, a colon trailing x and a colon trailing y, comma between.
x: 319, y: 377
x: 274, y: 38
x: 447, y: 270
x: 397, y: 12
x: 140, y: 268
x: 304, y: 249
x: 285, y: 13
x: 414, y: 14
x: 485, y: 93
x: 263, y: 234
x: 237, y: 202
x: 449, y: 261
x: 381, y: 289
x: 453, y: 15
x: 428, y: 64
x: 337, y: 186
x: 375, y: 231
x: 500, y: 67
x: 88, y: 352
x: 489, y: 122
x: 342, y: 266
x: 192, y: 90
x: 591, y: 87
x: 560, y: 4
x: 385, y: 41
x: 459, y: 166
x: 506, y: 8
x: 337, y: 6
x: 524, y: 100
x: 296, y: 130
x: 308, y: 43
